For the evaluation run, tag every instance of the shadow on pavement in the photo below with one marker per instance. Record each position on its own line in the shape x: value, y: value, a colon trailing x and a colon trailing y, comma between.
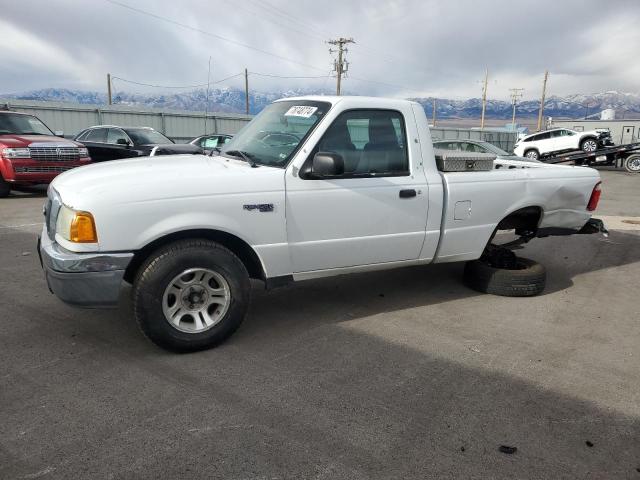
x: 294, y: 394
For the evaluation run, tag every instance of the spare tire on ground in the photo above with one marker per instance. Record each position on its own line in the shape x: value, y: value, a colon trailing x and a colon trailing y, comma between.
x: 527, y: 279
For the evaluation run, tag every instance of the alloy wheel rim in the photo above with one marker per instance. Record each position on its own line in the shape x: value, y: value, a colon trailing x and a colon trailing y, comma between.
x: 590, y: 146
x: 196, y: 300
x: 634, y: 164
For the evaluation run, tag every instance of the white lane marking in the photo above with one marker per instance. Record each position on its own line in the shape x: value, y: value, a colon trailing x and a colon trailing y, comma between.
x: 22, y: 226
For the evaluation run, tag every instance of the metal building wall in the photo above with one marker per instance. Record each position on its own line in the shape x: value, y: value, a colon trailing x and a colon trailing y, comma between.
x: 503, y: 140
x: 181, y: 126
x: 622, y: 131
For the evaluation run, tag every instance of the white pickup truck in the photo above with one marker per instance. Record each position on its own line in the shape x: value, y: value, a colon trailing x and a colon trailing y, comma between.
x: 311, y: 187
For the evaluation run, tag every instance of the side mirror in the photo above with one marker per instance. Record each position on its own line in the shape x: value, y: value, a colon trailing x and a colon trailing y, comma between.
x: 327, y: 164
x: 59, y: 133
x: 122, y: 141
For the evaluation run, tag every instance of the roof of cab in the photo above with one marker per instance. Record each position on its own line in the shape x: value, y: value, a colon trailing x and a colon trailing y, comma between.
x: 351, y: 100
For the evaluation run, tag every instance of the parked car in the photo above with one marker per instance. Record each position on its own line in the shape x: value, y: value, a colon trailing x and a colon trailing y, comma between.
x: 478, y: 146
x: 110, y: 142
x: 211, y: 142
x: 559, y: 140
x: 31, y: 154
x: 189, y: 240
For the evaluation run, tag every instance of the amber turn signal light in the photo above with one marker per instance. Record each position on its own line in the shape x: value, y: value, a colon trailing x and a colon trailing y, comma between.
x: 83, y: 228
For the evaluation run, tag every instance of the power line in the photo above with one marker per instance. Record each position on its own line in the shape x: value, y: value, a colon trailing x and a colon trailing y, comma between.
x: 287, y: 76
x: 214, y: 35
x: 175, y: 86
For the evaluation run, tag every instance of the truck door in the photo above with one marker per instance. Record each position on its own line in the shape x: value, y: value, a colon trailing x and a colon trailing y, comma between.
x: 627, y: 134
x: 376, y: 211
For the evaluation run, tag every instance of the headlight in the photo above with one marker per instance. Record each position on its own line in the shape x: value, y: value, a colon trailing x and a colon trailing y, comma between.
x: 83, y: 152
x: 77, y: 227
x: 16, y: 153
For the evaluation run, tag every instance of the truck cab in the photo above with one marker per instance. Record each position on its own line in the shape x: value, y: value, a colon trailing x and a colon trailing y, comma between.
x: 31, y: 154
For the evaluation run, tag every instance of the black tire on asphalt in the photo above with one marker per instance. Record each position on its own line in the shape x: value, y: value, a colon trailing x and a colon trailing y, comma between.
x: 583, y: 142
x: 632, y: 164
x: 527, y: 281
x: 162, y: 266
x: 532, y: 153
x: 5, y: 188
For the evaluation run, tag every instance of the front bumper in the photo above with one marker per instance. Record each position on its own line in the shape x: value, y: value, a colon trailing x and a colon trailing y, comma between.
x: 82, y: 279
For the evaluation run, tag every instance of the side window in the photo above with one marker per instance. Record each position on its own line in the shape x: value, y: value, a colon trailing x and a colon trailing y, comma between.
x: 83, y: 136
x: 556, y: 133
x: 371, y: 143
x: 544, y: 136
x: 211, y: 142
x: 469, y: 147
x: 98, y: 135
x: 116, y: 134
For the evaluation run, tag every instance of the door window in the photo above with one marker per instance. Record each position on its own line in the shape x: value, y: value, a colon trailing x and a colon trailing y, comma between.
x: 97, y: 135
x: 211, y: 142
x: 371, y: 143
x: 117, y: 136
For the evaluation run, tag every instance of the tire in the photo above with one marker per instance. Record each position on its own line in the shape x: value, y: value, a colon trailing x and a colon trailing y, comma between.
x: 632, y: 164
x: 533, y: 154
x: 527, y: 281
x: 173, y: 273
x: 589, y: 145
x: 5, y: 188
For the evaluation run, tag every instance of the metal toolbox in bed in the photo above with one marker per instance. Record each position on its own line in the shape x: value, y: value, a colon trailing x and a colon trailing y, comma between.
x: 455, y: 161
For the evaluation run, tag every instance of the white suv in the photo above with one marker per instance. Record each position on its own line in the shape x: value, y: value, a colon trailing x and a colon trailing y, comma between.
x: 560, y: 140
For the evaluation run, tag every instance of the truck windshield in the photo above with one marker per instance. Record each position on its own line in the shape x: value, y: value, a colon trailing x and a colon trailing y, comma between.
x: 146, y: 136
x: 275, y: 134
x: 14, y: 123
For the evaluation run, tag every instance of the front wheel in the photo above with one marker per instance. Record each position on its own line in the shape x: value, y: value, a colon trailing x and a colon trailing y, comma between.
x: 191, y: 295
x: 5, y: 188
x: 525, y: 278
x: 532, y: 154
x: 632, y: 164
x: 589, y: 145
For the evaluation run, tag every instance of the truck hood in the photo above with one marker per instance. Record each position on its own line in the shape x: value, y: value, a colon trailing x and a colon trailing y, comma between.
x: 21, y: 141
x: 166, y: 177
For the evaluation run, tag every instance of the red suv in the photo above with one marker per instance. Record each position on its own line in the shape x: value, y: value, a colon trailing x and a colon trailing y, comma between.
x: 31, y: 154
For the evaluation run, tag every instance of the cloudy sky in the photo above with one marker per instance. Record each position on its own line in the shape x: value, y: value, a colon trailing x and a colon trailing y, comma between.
x: 403, y: 47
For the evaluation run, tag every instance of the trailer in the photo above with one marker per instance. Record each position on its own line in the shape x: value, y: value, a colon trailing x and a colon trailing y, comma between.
x: 620, y: 156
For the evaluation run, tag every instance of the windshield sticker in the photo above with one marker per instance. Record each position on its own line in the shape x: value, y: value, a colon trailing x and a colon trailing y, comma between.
x: 303, y: 111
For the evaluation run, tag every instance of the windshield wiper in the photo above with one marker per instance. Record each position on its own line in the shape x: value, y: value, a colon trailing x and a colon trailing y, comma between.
x: 244, y: 155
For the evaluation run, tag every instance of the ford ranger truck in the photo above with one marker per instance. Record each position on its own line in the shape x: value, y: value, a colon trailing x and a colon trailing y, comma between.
x: 311, y: 187
x: 31, y: 154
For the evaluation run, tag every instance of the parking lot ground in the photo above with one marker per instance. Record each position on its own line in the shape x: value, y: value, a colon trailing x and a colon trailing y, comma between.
x: 398, y: 374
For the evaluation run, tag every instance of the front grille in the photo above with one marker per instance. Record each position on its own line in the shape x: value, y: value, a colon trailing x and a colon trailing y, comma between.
x: 42, y: 169
x: 54, y: 154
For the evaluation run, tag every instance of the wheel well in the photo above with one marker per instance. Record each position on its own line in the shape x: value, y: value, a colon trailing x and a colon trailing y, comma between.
x: 239, y: 247
x: 523, y: 220
x: 529, y: 149
x: 590, y: 137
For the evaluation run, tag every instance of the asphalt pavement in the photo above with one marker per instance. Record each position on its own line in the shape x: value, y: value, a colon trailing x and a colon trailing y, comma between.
x: 397, y: 374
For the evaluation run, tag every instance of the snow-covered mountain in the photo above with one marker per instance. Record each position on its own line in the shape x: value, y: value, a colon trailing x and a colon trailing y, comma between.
x: 232, y: 100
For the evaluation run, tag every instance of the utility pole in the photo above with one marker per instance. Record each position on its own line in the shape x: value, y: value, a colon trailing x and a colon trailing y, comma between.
x: 246, y: 91
x: 516, y: 93
x: 206, y: 103
x: 544, y: 93
x: 433, y: 120
x: 484, y: 97
x: 109, y: 88
x: 340, y: 65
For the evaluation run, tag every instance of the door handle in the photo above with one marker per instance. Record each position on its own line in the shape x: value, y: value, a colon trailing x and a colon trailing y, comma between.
x: 408, y: 193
